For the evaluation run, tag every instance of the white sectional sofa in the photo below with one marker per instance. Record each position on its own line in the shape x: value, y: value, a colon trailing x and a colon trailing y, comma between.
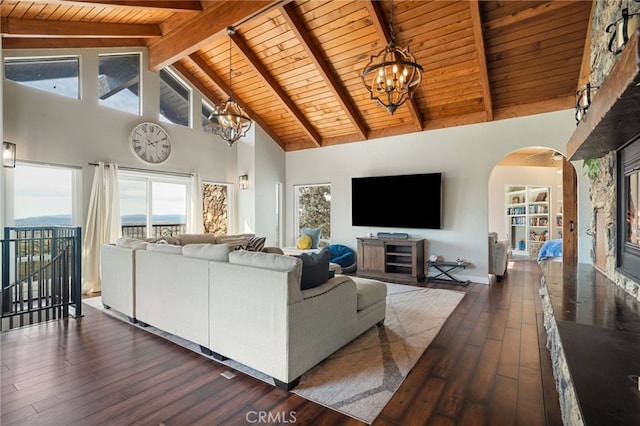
x: 242, y: 305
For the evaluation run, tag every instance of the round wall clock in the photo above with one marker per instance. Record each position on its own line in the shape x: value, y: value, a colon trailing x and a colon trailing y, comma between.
x: 150, y: 142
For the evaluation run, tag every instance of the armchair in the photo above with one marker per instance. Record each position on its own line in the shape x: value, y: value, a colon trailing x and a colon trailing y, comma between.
x: 498, y: 255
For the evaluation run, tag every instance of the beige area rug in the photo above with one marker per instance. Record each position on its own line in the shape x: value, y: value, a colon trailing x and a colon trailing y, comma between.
x: 360, y: 378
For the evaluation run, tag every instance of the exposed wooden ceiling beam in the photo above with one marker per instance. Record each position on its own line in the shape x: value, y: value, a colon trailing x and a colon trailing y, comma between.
x: 482, y: 58
x: 257, y: 66
x: 191, y: 35
x: 11, y: 27
x: 302, y: 34
x: 378, y: 21
x: 171, y: 5
x: 223, y: 87
x: 585, y: 67
x: 68, y: 43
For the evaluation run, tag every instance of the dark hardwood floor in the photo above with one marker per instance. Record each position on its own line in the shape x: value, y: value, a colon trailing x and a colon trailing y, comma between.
x: 487, y: 366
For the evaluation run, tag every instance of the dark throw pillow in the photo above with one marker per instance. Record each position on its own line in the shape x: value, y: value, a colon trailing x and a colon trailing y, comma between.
x: 315, y: 269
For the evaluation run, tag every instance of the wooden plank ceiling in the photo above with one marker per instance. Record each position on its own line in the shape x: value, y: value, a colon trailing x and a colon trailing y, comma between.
x: 297, y: 64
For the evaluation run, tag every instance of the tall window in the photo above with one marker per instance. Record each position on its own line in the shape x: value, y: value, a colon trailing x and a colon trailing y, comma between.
x: 45, y: 195
x: 153, y: 205
x: 175, y: 99
x: 119, y: 82
x: 53, y: 74
x: 313, y: 208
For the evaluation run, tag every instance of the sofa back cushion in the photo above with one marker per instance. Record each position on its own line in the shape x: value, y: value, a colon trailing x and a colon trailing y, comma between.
x: 257, y: 259
x: 165, y: 248
x: 185, y: 239
x: 215, y: 252
x: 131, y: 243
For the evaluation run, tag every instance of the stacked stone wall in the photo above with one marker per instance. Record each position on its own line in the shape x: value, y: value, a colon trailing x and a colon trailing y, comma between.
x: 603, y: 185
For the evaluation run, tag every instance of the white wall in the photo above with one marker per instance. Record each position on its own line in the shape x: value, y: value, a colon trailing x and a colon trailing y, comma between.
x: 466, y: 156
x: 54, y: 129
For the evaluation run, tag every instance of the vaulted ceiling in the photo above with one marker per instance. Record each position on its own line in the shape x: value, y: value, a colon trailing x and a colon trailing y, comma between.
x: 297, y: 64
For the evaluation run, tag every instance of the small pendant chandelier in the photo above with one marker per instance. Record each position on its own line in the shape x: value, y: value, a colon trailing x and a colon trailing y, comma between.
x: 392, y: 76
x: 229, y: 121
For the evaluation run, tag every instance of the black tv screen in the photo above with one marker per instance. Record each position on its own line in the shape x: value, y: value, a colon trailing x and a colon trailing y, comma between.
x: 402, y: 201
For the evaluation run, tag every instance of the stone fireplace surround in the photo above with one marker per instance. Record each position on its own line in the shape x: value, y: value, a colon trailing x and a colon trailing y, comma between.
x: 592, y: 317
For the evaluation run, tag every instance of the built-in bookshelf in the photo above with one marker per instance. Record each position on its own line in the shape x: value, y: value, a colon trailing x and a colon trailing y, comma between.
x: 528, y: 212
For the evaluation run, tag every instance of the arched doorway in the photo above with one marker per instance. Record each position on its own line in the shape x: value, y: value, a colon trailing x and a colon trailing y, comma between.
x: 554, y: 217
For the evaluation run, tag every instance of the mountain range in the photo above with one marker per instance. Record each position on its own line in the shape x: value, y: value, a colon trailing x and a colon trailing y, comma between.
x: 65, y: 220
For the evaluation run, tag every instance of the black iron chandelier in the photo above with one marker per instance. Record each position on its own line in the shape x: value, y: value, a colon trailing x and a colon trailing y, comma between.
x: 393, y: 75
x: 229, y: 121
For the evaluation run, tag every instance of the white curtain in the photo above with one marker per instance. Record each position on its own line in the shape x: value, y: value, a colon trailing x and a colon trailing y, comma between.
x: 195, y: 222
x: 103, y: 223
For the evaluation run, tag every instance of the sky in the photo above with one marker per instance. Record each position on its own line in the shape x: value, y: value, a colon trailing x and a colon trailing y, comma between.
x: 41, y: 191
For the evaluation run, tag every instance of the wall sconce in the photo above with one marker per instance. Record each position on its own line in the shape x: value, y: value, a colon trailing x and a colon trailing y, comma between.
x: 243, y: 182
x: 621, y: 30
x: 8, y: 154
x: 583, y: 100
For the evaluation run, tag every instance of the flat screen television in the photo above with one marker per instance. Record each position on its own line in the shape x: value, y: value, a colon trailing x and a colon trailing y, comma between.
x: 401, y: 201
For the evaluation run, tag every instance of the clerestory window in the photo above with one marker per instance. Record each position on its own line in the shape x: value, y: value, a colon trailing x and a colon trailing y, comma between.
x: 119, y: 82
x: 56, y: 74
x: 175, y: 99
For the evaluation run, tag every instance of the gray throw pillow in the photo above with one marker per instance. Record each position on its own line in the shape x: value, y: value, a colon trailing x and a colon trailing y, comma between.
x: 315, y: 269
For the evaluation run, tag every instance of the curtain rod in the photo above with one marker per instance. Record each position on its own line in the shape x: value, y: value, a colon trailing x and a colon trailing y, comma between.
x: 159, y: 172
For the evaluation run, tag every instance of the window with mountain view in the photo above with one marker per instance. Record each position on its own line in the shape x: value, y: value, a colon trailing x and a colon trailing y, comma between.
x: 57, y: 74
x: 44, y: 195
x: 153, y: 206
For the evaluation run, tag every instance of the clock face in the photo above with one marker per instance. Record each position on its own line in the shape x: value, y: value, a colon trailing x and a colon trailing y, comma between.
x: 150, y: 143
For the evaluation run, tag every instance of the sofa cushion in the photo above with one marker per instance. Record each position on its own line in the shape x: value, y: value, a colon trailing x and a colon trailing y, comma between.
x: 165, y: 248
x: 215, y: 252
x: 132, y: 243
x: 165, y: 240
x: 258, y: 259
x: 304, y: 242
x: 185, y: 239
x: 370, y: 292
x: 255, y: 243
x: 235, y: 241
x: 314, y: 233
x: 315, y: 269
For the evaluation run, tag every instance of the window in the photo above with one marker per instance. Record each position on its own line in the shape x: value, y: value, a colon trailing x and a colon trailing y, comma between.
x: 206, y: 112
x: 119, y: 82
x: 175, y: 99
x: 313, y: 208
x: 153, y: 205
x: 628, y: 238
x: 53, y: 74
x: 45, y: 195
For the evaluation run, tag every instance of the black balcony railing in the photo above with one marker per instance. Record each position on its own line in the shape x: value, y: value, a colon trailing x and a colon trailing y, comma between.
x: 41, y: 274
x: 157, y: 231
